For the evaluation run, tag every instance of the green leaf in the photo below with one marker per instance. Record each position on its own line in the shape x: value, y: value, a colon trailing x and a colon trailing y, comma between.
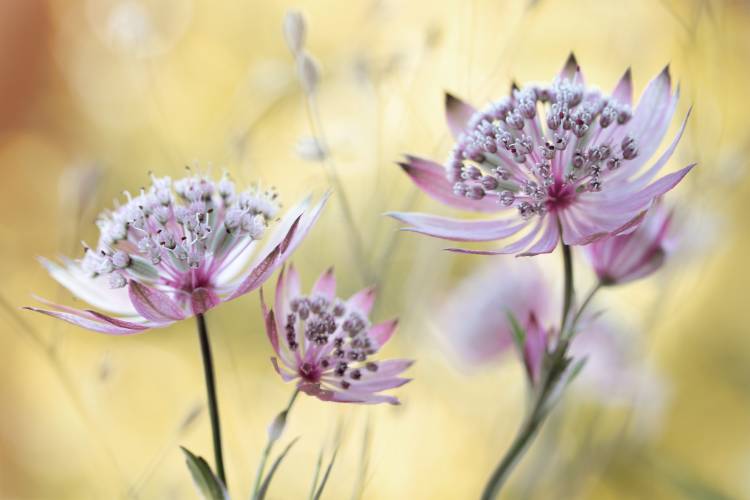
x: 577, y: 367
x: 519, y: 335
x: 267, y: 481
x: 326, y: 475
x: 318, y: 465
x: 209, y: 486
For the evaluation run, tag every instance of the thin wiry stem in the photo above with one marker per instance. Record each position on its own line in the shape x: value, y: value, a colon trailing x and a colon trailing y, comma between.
x: 568, y: 286
x: 269, y: 445
x: 213, y: 404
x: 316, y: 126
x: 584, y: 305
x: 557, y: 363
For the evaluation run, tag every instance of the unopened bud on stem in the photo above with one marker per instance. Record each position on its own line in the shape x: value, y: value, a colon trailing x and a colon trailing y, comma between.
x: 309, y: 73
x: 276, y: 429
x: 294, y: 31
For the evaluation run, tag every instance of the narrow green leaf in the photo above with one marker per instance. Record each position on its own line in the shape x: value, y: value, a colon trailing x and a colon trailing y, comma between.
x: 326, y: 475
x: 577, y: 367
x: 519, y: 335
x: 318, y: 465
x: 267, y: 481
x: 209, y: 486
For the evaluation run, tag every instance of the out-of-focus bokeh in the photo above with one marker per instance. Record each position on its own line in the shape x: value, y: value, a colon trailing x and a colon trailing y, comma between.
x: 94, y: 94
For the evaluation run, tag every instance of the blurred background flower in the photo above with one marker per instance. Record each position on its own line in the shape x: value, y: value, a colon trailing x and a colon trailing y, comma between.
x: 131, y: 86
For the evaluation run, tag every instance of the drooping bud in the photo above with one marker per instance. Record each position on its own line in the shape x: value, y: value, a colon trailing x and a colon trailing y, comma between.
x: 309, y: 73
x: 294, y: 31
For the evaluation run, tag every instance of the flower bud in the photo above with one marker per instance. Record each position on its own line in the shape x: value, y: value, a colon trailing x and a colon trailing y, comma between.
x: 276, y: 429
x: 309, y: 73
x: 294, y: 31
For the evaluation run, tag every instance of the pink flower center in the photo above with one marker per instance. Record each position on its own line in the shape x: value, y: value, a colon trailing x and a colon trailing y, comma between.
x: 559, y: 196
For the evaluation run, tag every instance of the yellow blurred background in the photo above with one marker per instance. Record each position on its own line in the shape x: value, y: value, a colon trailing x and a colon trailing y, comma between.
x: 94, y: 94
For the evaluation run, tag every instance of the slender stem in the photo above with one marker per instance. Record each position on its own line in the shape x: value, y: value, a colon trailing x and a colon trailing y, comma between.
x: 271, y: 440
x: 584, y: 305
x: 540, y: 409
x: 567, y: 286
x: 316, y: 127
x: 213, y: 404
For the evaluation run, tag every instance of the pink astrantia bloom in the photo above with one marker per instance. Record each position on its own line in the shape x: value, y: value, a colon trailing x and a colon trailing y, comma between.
x: 474, y: 316
x: 176, y: 250
x: 562, y: 160
x: 327, y: 343
x: 628, y: 257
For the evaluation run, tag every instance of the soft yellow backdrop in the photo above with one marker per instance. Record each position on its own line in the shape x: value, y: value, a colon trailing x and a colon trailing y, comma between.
x: 95, y: 94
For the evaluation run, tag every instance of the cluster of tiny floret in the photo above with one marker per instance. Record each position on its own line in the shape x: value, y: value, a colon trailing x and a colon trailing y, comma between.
x: 338, y: 333
x: 172, y: 229
x: 508, y: 148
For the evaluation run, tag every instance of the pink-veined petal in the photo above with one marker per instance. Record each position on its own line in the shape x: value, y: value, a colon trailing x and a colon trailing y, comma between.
x: 430, y: 178
x: 649, y: 174
x: 457, y: 114
x: 382, y: 332
x: 203, y: 299
x: 458, y: 229
x: 571, y: 70
x: 547, y: 241
x: 377, y: 385
x: 257, y: 275
x: 90, y: 322
x: 352, y: 397
x: 577, y: 229
x: 326, y: 285
x: 392, y: 367
x: 95, y: 291
x: 643, y: 198
x: 270, y: 321
x: 512, y: 248
x: 623, y: 92
x: 285, y: 376
x: 154, y: 304
x: 363, y: 300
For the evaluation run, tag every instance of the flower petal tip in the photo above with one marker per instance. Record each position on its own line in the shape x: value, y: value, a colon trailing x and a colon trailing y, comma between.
x: 571, y: 64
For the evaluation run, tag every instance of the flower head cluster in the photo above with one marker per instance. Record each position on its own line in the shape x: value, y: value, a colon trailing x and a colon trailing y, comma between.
x: 327, y: 344
x: 564, y: 159
x: 177, y: 249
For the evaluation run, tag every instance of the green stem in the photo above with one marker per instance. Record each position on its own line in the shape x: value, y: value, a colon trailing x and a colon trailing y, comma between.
x: 568, y: 285
x: 213, y: 405
x: 270, y: 443
x: 584, y: 305
x: 540, y: 409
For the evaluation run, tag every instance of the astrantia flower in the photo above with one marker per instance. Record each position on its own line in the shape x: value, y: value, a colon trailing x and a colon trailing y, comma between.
x: 634, y: 255
x: 326, y: 344
x: 476, y: 318
x: 473, y: 318
x: 177, y: 250
x: 565, y: 160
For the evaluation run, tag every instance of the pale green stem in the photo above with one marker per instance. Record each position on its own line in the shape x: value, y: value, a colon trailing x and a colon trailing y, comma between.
x: 269, y: 446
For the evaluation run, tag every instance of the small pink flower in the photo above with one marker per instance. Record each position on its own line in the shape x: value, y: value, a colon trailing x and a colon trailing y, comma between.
x: 176, y: 250
x: 327, y: 343
x: 628, y: 257
x: 474, y: 316
x: 536, y: 345
x: 565, y: 159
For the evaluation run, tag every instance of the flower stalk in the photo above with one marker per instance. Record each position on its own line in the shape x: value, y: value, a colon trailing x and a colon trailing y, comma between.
x: 213, y: 404
x: 555, y: 365
x: 274, y: 433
